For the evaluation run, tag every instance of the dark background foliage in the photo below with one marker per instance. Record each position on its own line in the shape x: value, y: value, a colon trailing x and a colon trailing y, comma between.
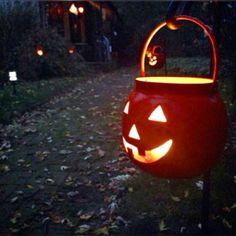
x: 139, y: 18
x: 20, y: 35
x: 55, y: 61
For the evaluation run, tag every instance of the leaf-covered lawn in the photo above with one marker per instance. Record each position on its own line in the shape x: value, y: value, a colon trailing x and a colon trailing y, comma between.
x: 63, y: 172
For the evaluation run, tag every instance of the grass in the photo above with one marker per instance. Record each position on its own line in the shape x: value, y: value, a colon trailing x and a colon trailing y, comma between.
x: 178, y: 203
x: 30, y: 94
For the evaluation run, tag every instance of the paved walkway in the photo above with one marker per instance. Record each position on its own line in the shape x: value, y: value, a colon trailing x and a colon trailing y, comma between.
x: 57, y: 161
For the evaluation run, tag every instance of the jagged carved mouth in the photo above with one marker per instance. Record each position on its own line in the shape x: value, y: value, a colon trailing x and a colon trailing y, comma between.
x: 150, y: 156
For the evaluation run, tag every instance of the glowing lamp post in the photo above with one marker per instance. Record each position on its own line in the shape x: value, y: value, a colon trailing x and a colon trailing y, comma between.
x: 13, y: 79
x: 175, y: 127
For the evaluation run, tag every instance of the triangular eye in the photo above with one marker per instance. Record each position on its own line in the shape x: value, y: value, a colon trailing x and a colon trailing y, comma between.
x: 133, y: 133
x: 158, y: 115
x: 126, y: 110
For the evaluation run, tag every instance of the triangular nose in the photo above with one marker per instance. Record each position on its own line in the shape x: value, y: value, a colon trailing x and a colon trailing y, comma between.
x: 133, y: 133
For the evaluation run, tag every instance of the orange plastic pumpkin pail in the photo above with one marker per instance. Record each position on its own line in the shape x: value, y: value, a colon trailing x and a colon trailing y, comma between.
x: 175, y: 126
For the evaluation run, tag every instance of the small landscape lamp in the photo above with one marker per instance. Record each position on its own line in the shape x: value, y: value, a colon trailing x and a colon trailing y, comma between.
x: 70, y: 50
x: 13, y: 79
x: 175, y: 126
x: 39, y: 51
x: 12, y: 76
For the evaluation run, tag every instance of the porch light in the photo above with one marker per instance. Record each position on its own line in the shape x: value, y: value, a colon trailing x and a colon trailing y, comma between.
x: 81, y: 10
x: 73, y: 9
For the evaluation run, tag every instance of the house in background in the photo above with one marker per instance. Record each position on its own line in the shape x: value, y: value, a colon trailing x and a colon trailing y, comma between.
x: 89, y: 26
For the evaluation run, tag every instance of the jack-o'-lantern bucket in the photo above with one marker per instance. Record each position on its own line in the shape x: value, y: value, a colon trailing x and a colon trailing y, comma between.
x: 175, y: 126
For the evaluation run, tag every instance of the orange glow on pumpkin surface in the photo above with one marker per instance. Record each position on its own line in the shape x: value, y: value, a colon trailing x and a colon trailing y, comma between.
x: 175, y: 80
x: 150, y: 156
x: 158, y: 115
x: 133, y: 133
x: 126, y: 109
x: 153, y: 154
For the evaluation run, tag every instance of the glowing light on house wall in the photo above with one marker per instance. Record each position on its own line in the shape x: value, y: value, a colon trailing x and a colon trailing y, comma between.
x: 73, y: 9
x: 81, y: 10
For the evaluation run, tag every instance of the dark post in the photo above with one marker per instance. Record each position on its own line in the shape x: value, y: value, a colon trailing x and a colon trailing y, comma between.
x: 14, y: 87
x: 205, y: 203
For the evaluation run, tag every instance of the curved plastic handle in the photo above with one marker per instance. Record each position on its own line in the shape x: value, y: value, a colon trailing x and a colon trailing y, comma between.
x: 182, y: 18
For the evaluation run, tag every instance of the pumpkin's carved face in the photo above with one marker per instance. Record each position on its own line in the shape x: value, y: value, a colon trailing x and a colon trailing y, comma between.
x: 155, y: 56
x: 151, y: 155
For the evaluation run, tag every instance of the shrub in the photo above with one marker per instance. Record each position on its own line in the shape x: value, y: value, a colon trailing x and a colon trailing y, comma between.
x: 55, y: 61
x: 19, y: 36
x: 15, y: 21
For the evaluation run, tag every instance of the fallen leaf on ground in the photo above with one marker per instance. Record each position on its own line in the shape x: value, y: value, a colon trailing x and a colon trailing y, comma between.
x: 14, y: 199
x: 16, y: 216
x: 14, y: 230
x: 65, y: 152
x: 186, y: 193
x: 233, y: 206
x: 29, y: 186
x: 3, y: 158
x: 67, y: 221
x: 62, y: 168
x: 112, y: 207
x: 182, y: 229
x: 30, y: 130
x: 130, y: 189
x: 121, y: 177
x: 101, y: 153
x: 72, y: 194
x: 82, y: 229
x: 227, y: 224
x: 55, y: 217
x: 89, y: 149
x: 162, y: 226
x: 175, y: 199
x: 4, y: 168
x: 41, y: 155
x: 102, y: 231
x: 130, y: 170
x: 50, y: 181
x: 199, y: 184
x: 5, y: 145
x: 86, y: 216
